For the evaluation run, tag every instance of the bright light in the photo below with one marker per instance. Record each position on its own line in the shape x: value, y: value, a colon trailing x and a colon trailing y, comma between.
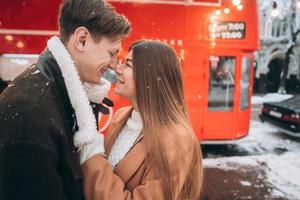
x: 275, y: 12
x: 20, y: 44
x: 236, y: 2
x: 172, y: 42
x: 298, y: 4
x: 20, y: 61
x: 226, y: 10
x: 240, y: 7
x: 213, y: 18
x: 179, y: 42
x: 218, y: 12
x: 182, y: 54
x: 9, y: 38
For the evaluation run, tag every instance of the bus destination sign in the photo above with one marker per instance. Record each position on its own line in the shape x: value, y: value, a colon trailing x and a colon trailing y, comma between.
x: 227, y: 30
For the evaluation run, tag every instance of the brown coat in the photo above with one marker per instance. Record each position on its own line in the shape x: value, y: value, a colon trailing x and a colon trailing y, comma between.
x: 131, y: 177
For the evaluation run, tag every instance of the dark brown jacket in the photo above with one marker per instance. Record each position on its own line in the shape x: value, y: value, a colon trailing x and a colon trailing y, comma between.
x: 37, y: 157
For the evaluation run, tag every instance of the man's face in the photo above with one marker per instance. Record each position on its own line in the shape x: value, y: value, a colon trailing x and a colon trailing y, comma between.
x: 97, y: 58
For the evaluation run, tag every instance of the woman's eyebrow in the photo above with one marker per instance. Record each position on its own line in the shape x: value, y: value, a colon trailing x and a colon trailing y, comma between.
x: 128, y: 60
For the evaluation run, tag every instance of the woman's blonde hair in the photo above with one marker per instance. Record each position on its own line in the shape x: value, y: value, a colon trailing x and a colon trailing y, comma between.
x: 160, y: 99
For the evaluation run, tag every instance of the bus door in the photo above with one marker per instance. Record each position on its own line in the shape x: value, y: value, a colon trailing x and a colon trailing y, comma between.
x: 220, y: 88
x: 243, y: 107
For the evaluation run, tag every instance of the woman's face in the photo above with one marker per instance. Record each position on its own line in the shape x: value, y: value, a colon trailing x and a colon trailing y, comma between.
x: 125, y: 85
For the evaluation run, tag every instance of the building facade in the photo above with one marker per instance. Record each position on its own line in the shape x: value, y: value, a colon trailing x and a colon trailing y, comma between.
x: 276, y: 19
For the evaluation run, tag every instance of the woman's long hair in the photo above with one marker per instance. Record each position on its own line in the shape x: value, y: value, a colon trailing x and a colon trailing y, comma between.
x: 160, y: 99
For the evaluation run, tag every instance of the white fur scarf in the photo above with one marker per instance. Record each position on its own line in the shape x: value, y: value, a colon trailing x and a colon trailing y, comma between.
x: 86, y: 121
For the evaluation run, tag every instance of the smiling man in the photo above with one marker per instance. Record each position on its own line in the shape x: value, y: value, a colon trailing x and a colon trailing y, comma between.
x: 46, y: 106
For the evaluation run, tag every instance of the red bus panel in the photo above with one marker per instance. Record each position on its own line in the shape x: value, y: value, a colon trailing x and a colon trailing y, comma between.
x: 214, y: 39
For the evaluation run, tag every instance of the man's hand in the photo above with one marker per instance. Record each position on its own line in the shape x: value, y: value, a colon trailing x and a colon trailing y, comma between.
x: 94, y: 148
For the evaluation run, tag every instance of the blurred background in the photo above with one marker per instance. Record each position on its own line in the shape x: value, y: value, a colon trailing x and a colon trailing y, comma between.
x: 241, y: 71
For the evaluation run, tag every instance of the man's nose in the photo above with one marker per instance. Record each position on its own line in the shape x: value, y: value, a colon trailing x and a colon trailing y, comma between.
x: 119, y: 69
x: 114, y: 63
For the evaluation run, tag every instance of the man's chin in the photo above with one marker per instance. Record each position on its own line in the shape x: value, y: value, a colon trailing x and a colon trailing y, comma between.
x: 94, y: 81
x: 100, y: 75
x: 98, y: 80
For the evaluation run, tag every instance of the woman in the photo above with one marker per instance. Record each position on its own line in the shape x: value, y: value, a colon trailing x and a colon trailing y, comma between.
x: 151, y: 148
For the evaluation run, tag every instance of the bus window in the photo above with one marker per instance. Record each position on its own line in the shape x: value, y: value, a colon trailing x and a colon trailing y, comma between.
x: 221, y: 83
x: 11, y: 65
x: 245, y: 82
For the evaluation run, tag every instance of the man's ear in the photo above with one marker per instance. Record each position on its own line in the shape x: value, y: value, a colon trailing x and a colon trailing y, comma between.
x: 80, y: 36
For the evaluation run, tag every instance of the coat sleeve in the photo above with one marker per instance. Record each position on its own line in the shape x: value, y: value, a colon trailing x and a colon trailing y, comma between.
x: 101, y: 183
x: 28, y: 170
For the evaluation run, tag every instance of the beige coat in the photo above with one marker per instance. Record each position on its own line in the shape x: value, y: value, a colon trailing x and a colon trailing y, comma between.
x: 131, y: 177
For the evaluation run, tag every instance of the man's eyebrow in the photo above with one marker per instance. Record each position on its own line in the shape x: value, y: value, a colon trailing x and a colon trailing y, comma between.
x: 115, y: 51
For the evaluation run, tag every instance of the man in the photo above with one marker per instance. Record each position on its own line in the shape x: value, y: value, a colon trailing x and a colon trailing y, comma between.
x: 38, y: 114
x: 3, y: 85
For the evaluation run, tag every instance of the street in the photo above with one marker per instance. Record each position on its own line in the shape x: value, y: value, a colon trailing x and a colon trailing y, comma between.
x: 263, y: 165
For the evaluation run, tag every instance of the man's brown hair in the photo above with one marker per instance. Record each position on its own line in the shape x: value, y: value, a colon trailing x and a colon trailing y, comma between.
x: 97, y: 16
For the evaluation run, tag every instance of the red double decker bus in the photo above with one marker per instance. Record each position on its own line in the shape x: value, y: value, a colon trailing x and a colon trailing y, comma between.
x: 215, y: 40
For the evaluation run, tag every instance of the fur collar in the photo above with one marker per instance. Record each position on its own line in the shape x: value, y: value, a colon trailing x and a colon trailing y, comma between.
x: 86, y: 121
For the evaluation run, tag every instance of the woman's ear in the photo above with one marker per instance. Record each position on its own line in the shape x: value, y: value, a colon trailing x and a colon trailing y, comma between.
x: 80, y: 37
